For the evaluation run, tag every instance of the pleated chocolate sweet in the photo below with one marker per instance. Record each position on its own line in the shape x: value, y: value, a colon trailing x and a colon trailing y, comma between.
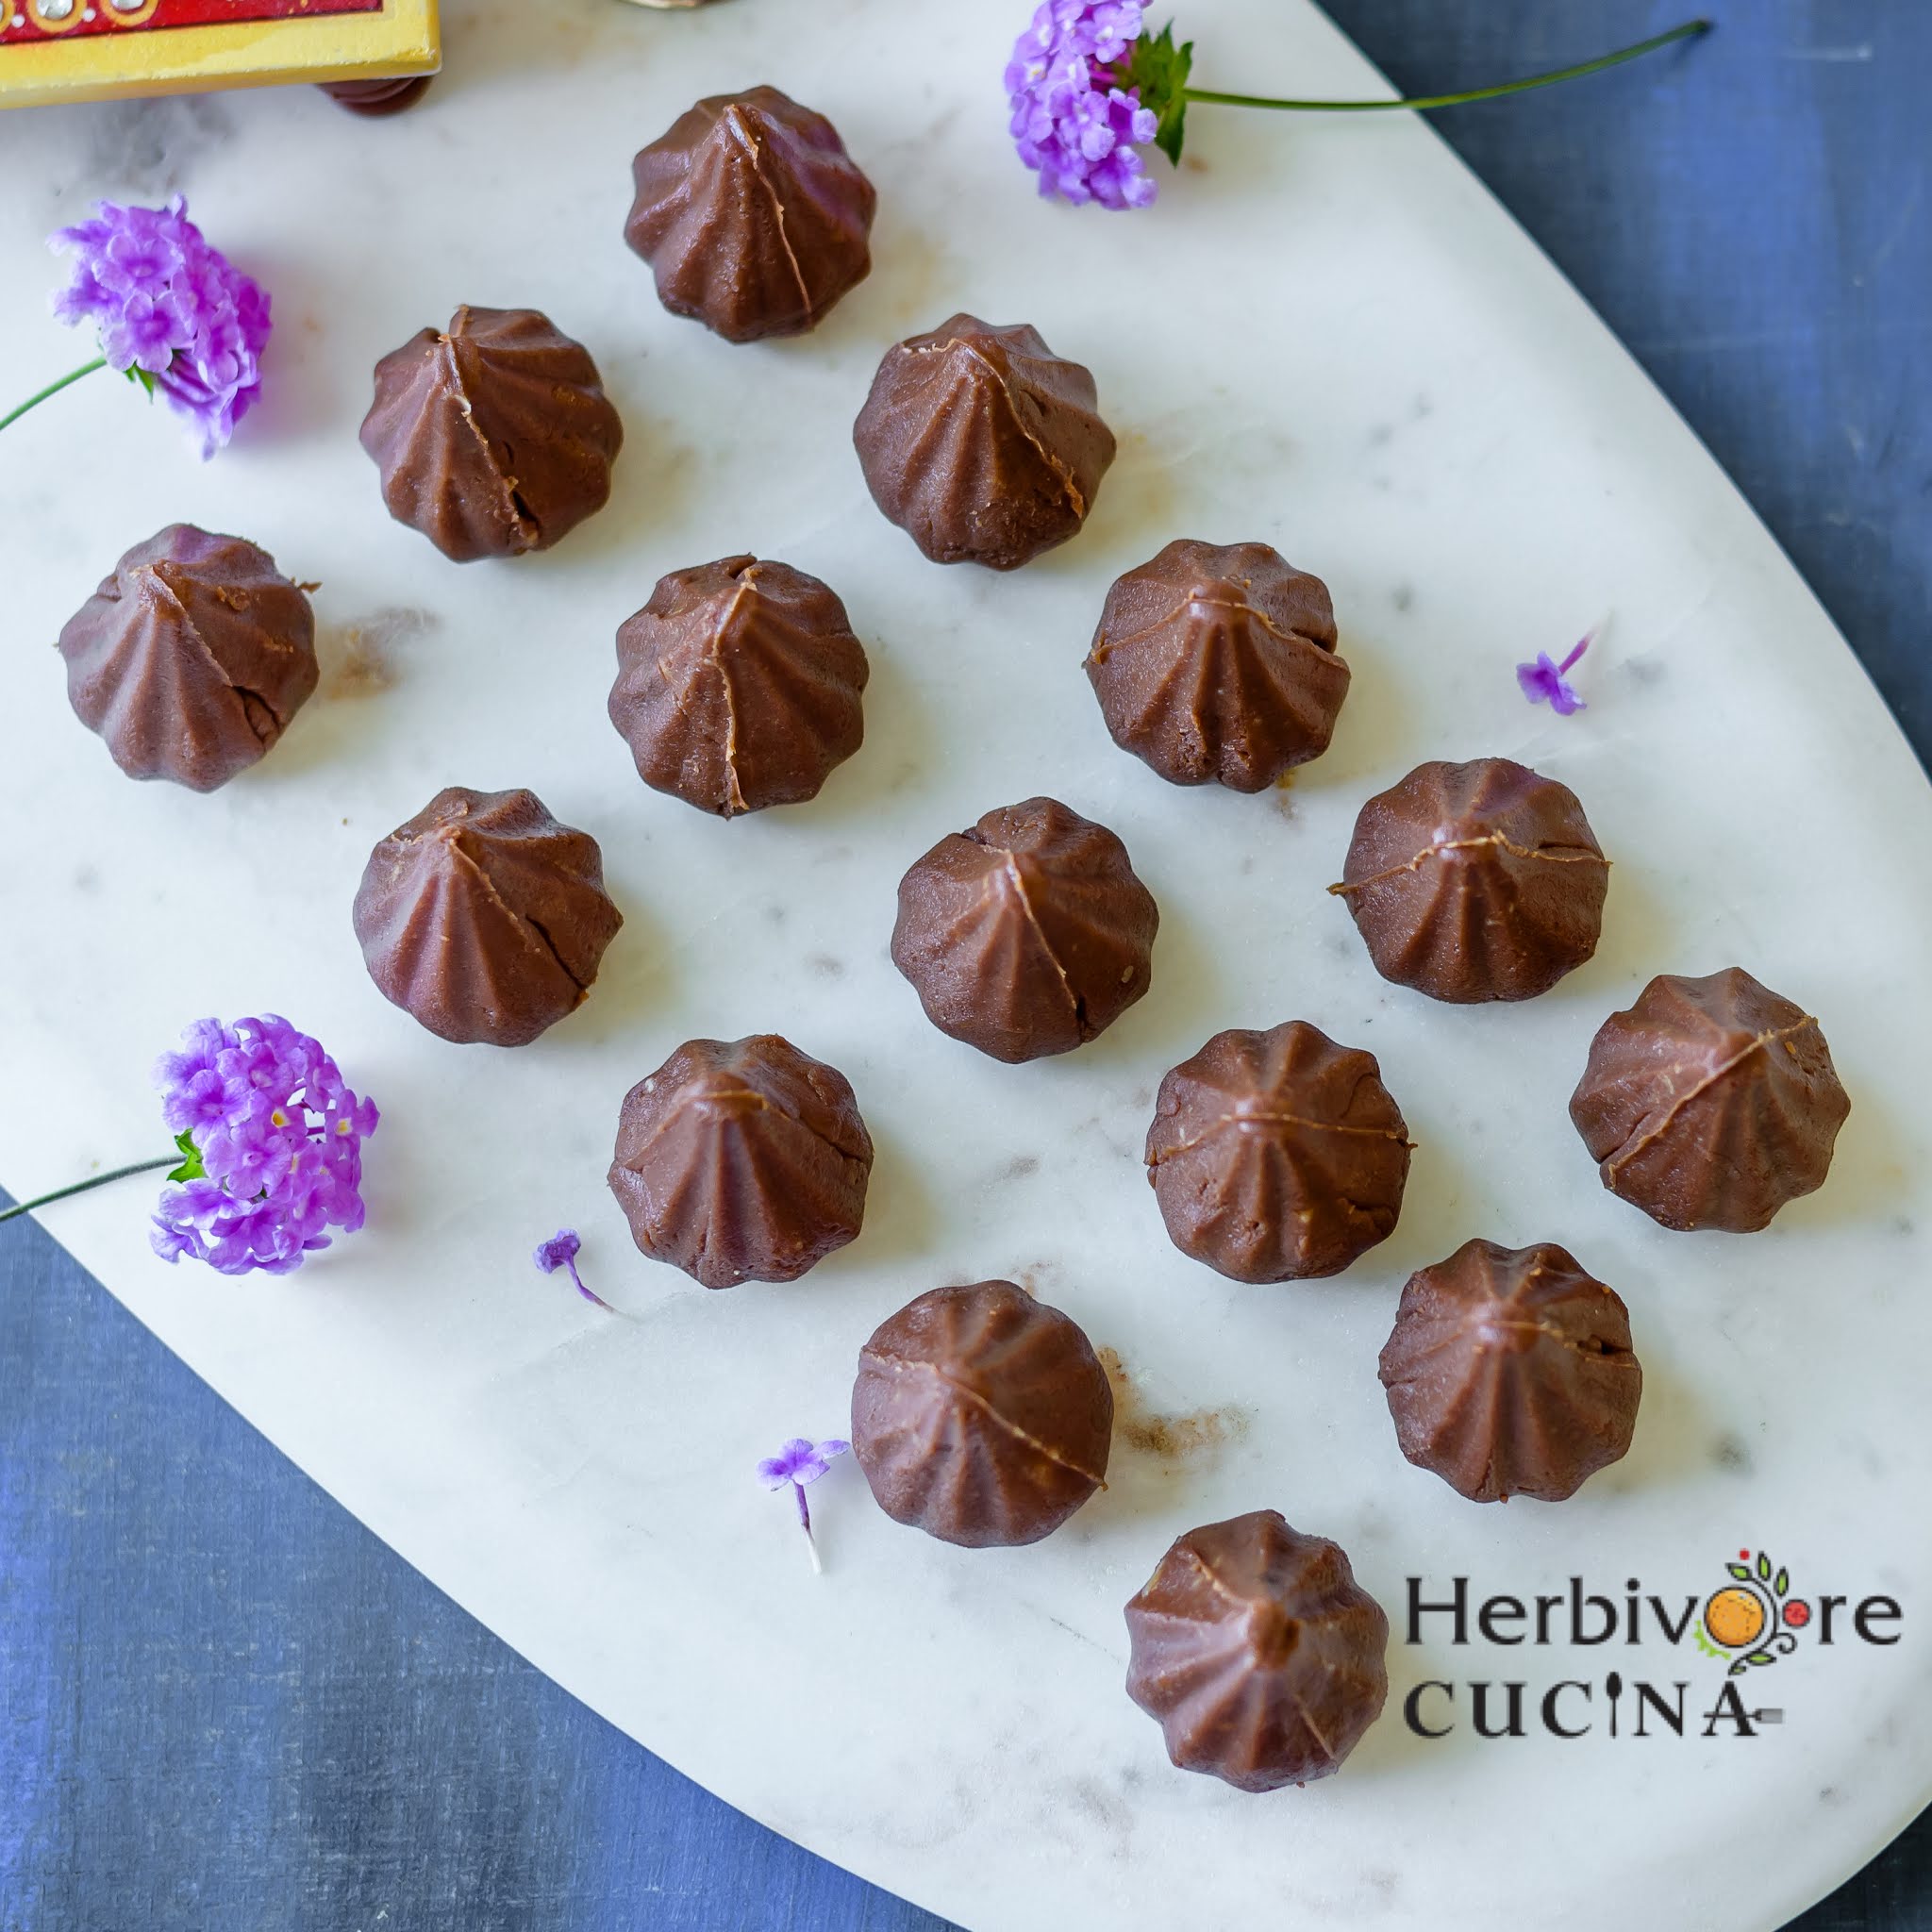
x: 1027, y: 934
x: 981, y: 443
x: 376, y: 99
x: 742, y: 1160
x: 981, y: 1416
x: 740, y: 685
x: 192, y: 657
x: 1217, y: 664
x: 495, y: 436
x: 1510, y: 1373
x: 1710, y: 1103
x: 754, y: 218
x: 1258, y: 1652
x: 485, y: 918
x: 1474, y: 882
x: 1277, y: 1155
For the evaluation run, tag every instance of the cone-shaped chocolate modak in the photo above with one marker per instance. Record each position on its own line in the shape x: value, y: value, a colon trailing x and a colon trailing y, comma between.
x: 494, y: 435
x: 1027, y: 934
x: 190, y: 660
x: 1510, y: 1373
x: 1475, y: 882
x: 981, y: 443
x: 1259, y: 1652
x: 1217, y: 664
x: 754, y: 218
x: 485, y: 918
x: 1277, y: 1155
x: 981, y: 1416
x: 739, y: 685
x: 742, y: 1160
x: 1710, y: 1103
x: 376, y: 99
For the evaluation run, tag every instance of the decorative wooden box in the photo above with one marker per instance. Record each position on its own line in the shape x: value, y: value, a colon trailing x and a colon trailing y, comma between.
x: 82, y: 50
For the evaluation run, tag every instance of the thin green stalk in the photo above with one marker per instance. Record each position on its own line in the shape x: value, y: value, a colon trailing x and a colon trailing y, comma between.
x: 1689, y: 30
x: 53, y: 389
x: 99, y: 1180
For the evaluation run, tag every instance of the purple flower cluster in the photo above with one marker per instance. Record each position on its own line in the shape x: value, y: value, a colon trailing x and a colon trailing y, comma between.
x: 273, y: 1141
x: 1073, y: 124
x: 168, y: 305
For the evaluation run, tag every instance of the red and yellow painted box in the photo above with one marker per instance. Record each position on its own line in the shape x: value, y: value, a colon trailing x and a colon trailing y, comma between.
x: 82, y: 50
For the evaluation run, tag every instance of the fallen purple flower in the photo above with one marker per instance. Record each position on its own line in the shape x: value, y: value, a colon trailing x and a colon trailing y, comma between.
x: 1543, y: 683
x: 798, y: 1463
x: 561, y: 1251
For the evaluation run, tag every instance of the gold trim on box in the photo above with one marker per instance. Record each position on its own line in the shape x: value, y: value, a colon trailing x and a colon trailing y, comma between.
x: 401, y: 40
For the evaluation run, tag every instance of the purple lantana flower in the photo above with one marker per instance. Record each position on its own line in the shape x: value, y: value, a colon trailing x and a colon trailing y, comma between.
x: 1086, y: 82
x: 271, y: 1138
x: 561, y: 1251
x: 168, y: 305
x: 1073, y: 123
x: 1544, y: 682
x: 798, y: 1463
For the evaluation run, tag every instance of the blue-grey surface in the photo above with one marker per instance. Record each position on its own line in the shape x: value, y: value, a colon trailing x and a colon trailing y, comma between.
x: 224, y: 1705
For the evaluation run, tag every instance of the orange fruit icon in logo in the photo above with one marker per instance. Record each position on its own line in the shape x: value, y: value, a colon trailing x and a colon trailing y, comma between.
x: 1735, y: 1617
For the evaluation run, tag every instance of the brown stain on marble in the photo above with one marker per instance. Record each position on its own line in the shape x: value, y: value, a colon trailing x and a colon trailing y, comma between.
x: 362, y: 658
x: 1191, y: 1440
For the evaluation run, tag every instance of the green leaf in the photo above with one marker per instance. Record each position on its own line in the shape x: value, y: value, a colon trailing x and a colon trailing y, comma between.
x: 1783, y: 1584
x: 190, y: 1168
x: 1764, y: 1566
x: 1760, y: 1656
x: 1740, y: 1572
x: 1160, y: 70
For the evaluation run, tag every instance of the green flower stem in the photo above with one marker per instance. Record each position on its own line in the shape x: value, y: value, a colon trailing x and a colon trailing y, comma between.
x: 1689, y: 30
x: 98, y: 1181
x: 53, y: 389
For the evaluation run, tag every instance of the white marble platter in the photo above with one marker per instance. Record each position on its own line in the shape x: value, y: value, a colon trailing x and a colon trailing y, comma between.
x: 1326, y: 337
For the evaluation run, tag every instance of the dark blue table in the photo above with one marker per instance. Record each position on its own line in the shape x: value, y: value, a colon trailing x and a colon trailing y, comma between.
x: 224, y: 1705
